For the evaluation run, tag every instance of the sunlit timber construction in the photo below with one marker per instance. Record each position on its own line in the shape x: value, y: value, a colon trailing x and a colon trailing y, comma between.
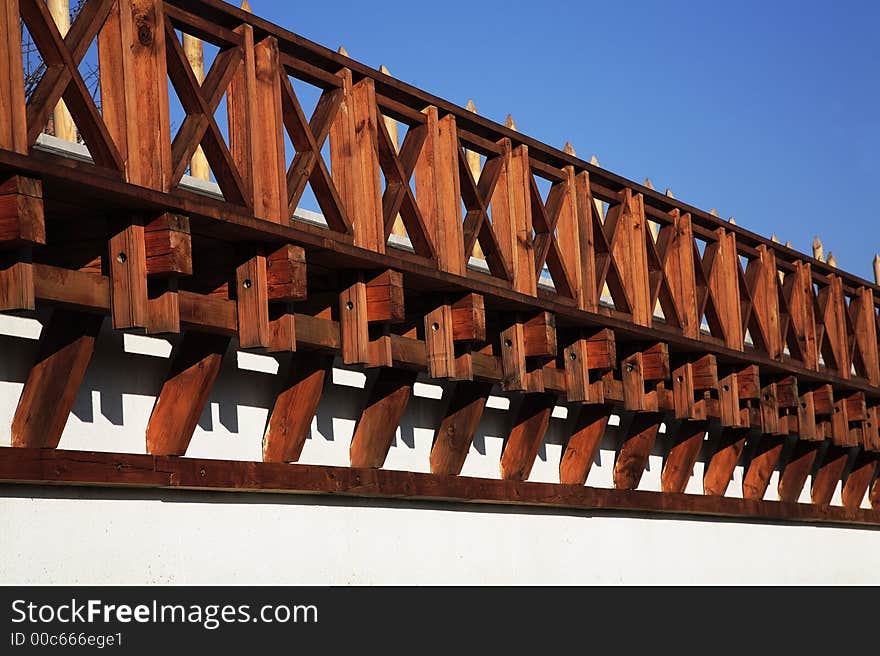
x: 589, y: 291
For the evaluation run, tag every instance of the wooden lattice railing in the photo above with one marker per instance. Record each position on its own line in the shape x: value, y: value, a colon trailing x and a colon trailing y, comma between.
x: 703, y: 322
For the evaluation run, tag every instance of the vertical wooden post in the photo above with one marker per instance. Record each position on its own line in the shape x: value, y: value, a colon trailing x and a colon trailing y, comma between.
x: 722, y: 260
x: 438, y: 191
x: 836, y: 341
x: 864, y: 317
x: 134, y: 90
x: 586, y: 252
x: 632, y: 256
x: 13, y: 127
x: 256, y: 126
x: 354, y: 158
x: 680, y: 273
x: 62, y: 120
x: 512, y: 217
x: 127, y: 263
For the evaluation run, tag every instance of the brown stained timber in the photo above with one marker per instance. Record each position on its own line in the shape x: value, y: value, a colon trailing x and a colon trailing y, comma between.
x: 65, y: 349
x: 583, y: 444
x: 456, y: 431
x: 49, y: 466
x: 458, y: 324
x: 637, y: 442
x: 375, y: 430
x: 194, y: 368
x: 291, y: 417
x: 526, y: 436
x: 682, y: 456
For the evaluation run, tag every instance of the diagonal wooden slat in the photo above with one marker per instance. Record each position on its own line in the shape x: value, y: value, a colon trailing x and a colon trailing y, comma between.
x: 308, y: 165
x: 477, y: 227
x: 200, y: 102
x: 62, y: 78
x: 398, y: 196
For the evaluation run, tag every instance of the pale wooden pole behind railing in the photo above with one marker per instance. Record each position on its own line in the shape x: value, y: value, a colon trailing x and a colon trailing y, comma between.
x: 877, y: 268
x: 473, y: 161
x: 195, y: 54
x: 391, y: 125
x: 62, y: 120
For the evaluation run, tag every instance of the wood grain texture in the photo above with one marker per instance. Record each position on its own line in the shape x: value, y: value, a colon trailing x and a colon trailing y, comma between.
x: 728, y: 448
x: 679, y: 466
x: 194, y: 368
x: 583, y: 444
x: 66, y: 347
x: 636, y: 445
x: 48, y: 466
x: 526, y: 436
x: 799, y: 466
x: 377, y: 425
x: 455, y: 434
x: 295, y: 406
x: 765, y: 453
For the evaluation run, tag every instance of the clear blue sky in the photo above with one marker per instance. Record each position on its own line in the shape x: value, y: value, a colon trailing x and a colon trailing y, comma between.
x: 767, y: 111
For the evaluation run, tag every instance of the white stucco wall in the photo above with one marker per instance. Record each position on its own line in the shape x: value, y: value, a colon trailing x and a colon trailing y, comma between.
x: 66, y: 535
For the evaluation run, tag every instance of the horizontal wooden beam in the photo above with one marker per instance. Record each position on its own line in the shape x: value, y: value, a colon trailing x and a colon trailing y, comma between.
x: 220, y: 220
x: 58, y: 467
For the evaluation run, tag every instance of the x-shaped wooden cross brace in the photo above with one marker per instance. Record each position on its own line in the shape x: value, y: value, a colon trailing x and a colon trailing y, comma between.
x: 706, y: 305
x: 62, y: 78
x: 476, y: 198
x: 308, y: 166
x: 748, y: 319
x: 398, y: 196
x: 199, y: 127
x: 607, y: 271
x: 544, y: 220
x: 658, y: 252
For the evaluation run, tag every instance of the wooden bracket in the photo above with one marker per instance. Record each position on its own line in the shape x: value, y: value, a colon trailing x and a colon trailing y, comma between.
x: 683, y: 453
x: 22, y: 226
x: 194, y: 369
x: 451, y: 330
x: 526, y: 346
x: 583, y: 355
x: 381, y: 416
x: 65, y: 349
x: 636, y: 445
x: 526, y: 436
x: 295, y: 406
x: 648, y: 365
x: 377, y: 300
x: 692, y: 386
x: 455, y: 434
